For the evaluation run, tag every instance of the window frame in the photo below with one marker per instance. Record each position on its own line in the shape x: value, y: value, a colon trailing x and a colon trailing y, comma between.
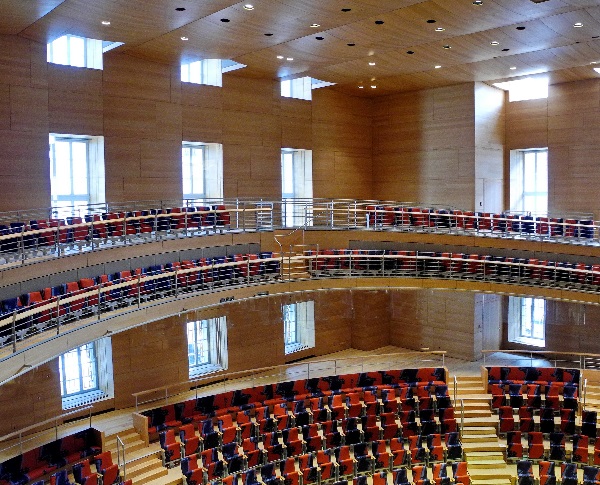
x: 527, y: 321
x: 518, y: 181
x: 296, y: 206
x: 215, y: 340
x: 298, y: 326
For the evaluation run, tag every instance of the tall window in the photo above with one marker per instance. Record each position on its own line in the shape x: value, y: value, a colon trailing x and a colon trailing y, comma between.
x: 298, y: 326
x: 527, y: 321
x: 86, y: 374
x: 529, y: 181
x: 524, y: 89
x: 202, y: 170
x: 207, y: 71
x: 76, y: 172
x: 72, y: 50
x: 301, y: 88
x: 296, y: 187
x: 207, y: 346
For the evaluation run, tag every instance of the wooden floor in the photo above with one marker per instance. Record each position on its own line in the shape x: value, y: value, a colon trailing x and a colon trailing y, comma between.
x: 347, y: 361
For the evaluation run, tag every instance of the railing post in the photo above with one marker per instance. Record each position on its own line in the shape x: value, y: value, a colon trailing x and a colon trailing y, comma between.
x: 14, y: 331
x: 455, y: 386
x: 584, y: 393
x: 462, y: 416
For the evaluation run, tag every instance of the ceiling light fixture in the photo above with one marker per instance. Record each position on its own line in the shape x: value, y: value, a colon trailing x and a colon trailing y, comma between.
x: 105, y: 22
x: 371, y: 63
x: 225, y: 20
x: 438, y: 67
x: 314, y: 26
x: 447, y: 46
x: 248, y: 6
x: 410, y: 52
x: 577, y: 25
x: 521, y: 27
x: 513, y: 68
x: 351, y: 44
x: 180, y: 9
x: 269, y: 34
x: 431, y: 21
x: 289, y: 58
x: 184, y: 38
x: 361, y: 87
x: 439, y: 29
x: 373, y: 86
x: 477, y: 2
x: 494, y: 42
x: 346, y: 9
x: 319, y: 38
x: 379, y: 22
x: 279, y: 57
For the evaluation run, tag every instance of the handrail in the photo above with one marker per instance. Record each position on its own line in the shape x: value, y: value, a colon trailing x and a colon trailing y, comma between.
x: 207, y: 277
x: 159, y: 219
x: 196, y: 382
x: 121, y: 450
x: 584, y: 393
x: 581, y: 361
x: 55, y: 419
x: 462, y: 416
x: 455, y: 387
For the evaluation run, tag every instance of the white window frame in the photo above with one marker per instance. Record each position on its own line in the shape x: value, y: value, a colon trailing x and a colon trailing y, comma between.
x: 211, y: 170
x: 73, y: 203
x: 529, y: 194
x: 98, y: 372
x: 298, y: 326
x: 527, y: 321
x: 62, y: 51
x: 208, y: 71
x: 296, y: 187
x: 207, y: 338
x: 525, y: 89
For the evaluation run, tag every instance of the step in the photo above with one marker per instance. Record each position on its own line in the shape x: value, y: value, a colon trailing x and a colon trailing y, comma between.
x: 474, y: 396
x: 478, y: 437
x: 129, y: 448
x: 474, y: 430
x: 486, y: 455
x: 460, y: 379
x: 477, y: 464
x: 491, y: 472
x: 126, y: 436
x: 493, y: 420
x: 476, y: 413
x: 483, y: 446
x: 173, y: 477
x: 491, y: 481
x: 151, y: 475
x: 140, y: 467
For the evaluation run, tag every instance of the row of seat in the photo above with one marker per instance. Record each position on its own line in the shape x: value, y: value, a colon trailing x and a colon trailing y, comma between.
x: 554, y: 449
x: 107, y: 473
x: 340, y: 262
x: 233, y: 402
x: 46, y: 235
x: 107, y: 292
x: 555, y: 395
x: 423, y: 218
x: 547, y: 474
x: 542, y: 376
x: 547, y: 421
x: 34, y: 464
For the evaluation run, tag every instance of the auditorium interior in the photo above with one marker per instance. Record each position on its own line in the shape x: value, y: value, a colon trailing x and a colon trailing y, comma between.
x: 299, y: 242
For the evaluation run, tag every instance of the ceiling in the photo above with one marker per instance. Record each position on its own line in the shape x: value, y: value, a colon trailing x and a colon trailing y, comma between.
x: 485, y: 41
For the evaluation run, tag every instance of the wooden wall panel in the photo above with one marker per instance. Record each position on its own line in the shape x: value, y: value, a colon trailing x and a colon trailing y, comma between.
x: 423, y: 146
x: 371, y: 325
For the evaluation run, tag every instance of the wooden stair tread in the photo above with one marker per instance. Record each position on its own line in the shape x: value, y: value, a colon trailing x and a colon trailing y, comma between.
x: 150, y: 475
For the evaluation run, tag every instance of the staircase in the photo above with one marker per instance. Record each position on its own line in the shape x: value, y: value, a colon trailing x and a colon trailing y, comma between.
x: 483, y: 451
x: 143, y: 464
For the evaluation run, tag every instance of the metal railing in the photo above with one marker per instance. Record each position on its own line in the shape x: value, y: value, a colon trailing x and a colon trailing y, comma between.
x: 224, y: 382
x: 543, y: 358
x: 158, y: 284
x: 57, y: 420
x: 121, y: 457
x: 37, y: 234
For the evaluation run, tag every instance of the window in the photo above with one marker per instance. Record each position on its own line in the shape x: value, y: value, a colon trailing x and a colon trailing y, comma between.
x: 301, y: 88
x: 86, y: 374
x: 207, y: 346
x: 298, y: 326
x: 296, y: 185
x: 72, y: 50
x: 529, y: 181
x: 527, y: 321
x: 202, y: 170
x: 76, y: 173
x: 208, y: 71
x: 524, y: 89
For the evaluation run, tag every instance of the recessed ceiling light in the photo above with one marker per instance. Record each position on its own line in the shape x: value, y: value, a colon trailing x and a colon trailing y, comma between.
x: 314, y: 26
x: 494, y: 42
x: 373, y: 86
x: 346, y: 9
x: 578, y: 25
x: 513, y: 68
x: 447, y: 46
x: 184, y: 38
x: 279, y: 57
x: 351, y: 44
x: 505, y: 50
x: 477, y: 2
x: 371, y: 63
x: 431, y: 21
x: 248, y: 6
x: 180, y: 9
x: 379, y: 22
x: 225, y: 20
x: 521, y: 27
x: 289, y: 58
x: 319, y: 38
x: 594, y: 62
x: 105, y: 22
x: 410, y: 52
x: 361, y: 87
x: 439, y: 29
x: 269, y: 34
x: 438, y: 67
